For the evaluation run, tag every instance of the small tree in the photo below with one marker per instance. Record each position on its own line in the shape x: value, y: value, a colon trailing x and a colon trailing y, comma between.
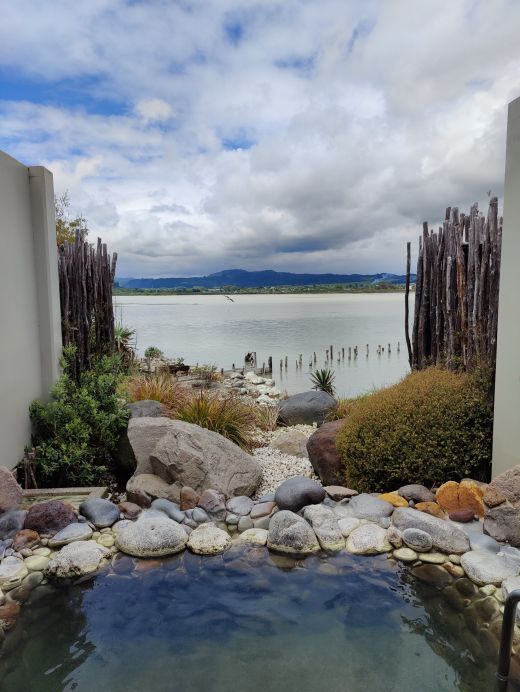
x: 67, y: 228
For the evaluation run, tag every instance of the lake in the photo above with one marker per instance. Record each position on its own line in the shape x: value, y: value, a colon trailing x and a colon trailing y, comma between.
x: 213, y: 329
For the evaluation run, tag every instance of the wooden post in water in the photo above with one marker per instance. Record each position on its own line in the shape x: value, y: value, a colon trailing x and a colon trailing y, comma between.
x: 331, y: 352
x: 270, y: 364
x: 343, y: 353
x: 286, y: 362
x: 350, y: 352
x: 407, y: 305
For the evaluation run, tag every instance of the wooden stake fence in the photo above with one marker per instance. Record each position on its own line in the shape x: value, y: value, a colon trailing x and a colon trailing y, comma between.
x: 86, y: 275
x: 456, y: 293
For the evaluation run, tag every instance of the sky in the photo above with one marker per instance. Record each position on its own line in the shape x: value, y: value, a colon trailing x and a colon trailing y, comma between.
x: 297, y: 135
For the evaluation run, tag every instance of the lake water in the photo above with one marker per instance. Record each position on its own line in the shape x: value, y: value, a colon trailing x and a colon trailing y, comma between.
x: 212, y: 329
x: 245, y: 621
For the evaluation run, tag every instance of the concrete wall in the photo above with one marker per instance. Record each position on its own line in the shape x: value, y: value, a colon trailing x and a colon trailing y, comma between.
x: 30, y: 342
x: 506, y: 440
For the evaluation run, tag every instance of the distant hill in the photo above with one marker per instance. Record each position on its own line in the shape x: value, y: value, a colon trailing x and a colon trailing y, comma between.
x: 260, y: 279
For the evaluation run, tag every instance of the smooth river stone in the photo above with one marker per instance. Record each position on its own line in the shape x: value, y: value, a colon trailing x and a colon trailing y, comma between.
x: 240, y: 505
x: 445, y: 536
x: 37, y: 563
x: 207, y: 539
x: 171, y: 509
x: 325, y: 525
x: 151, y: 534
x: 368, y: 539
x: 12, y: 571
x: 256, y: 536
x: 347, y: 524
x: 417, y: 540
x: 366, y: 506
x: 77, y: 559
x: 433, y: 558
x: 291, y: 534
x: 100, y: 512
x: 483, y: 567
x: 405, y: 555
x: 72, y: 532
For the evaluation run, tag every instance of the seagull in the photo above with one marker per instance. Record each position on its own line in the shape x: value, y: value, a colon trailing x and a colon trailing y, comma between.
x: 231, y: 299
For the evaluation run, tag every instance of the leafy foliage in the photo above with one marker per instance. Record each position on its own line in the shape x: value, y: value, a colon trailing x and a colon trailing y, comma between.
x: 153, y: 352
x: 67, y: 228
x: 123, y: 339
x: 76, y: 433
x: 324, y: 380
x: 431, y: 427
x: 227, y: 415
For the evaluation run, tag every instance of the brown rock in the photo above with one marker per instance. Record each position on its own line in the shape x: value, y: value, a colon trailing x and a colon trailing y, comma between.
x: 394, y: 499
x: 26, y: 538
x: 129, y: 510
x: 139, y: 497
x: 462, y: 515
x: 447, y: 496
x: 430, y: 508
x: 508, y: 484
x: 212, y: 501
x: 9, y: 614
x: 323, y: 455
x: 189, y: 498
x: 10, y: 492
x: 262, y: 509
x: 339, y: 492
x: 454, y: 570
x: 47, y: 518
x: 493, y: 497
x: 153, y: 485
x: 503, y: 523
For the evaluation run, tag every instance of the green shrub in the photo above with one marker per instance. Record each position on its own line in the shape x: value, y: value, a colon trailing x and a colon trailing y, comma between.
x: 324, y: 380
x: 433, y: 426
x: 76, y: 432
x: 153, y: 352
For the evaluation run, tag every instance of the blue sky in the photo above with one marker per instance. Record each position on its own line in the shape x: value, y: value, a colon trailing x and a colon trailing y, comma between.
x: 289, y: 134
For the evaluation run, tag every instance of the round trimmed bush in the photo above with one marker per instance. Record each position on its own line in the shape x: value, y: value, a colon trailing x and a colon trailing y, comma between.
x: 433, y: 426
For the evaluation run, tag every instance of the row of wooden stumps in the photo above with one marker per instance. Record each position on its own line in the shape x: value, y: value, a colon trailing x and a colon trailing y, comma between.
x: 251, y: 364
x: 351, y: 353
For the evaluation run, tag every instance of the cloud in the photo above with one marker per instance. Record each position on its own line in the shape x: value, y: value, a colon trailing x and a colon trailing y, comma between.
x: 283, y: 133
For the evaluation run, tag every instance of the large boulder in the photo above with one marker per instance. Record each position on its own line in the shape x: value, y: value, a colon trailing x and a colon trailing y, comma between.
x: 151, y: 534
x: 306, y: 407
x: 323, y: 455
x: 292, y: 442
x: 506, y: 486
x: 125, y: 456
x: 147, y: 408
x: 289, y: 533
x: 503, y: 523
x: 47, y: 518
x: 10, y: 491
x: 77, y: 559
x: 445, y: 536
x: 295, y: 493
x: 190, y: 455
x: 143, y: 434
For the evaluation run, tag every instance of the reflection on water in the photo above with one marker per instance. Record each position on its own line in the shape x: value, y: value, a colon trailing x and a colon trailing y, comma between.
x: 247, y: 621
x: 211, y: 329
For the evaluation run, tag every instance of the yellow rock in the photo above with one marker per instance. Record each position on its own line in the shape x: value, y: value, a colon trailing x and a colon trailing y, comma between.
x: 394, y: 499
x: 447, y: 496
x: 430, y: 508
x: 471, y: 497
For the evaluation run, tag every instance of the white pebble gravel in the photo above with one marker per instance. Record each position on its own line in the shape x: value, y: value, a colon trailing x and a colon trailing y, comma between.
x: 277, y: 467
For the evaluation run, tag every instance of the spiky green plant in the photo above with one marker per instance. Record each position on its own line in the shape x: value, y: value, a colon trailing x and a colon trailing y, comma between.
x: 324, y: 380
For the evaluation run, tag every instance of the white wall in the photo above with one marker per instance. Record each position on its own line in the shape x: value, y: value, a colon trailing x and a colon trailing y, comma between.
x: 506, y: 436
x: 30, y: 332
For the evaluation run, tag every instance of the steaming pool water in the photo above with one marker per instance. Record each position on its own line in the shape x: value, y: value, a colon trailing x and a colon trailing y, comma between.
x: 245, y: 621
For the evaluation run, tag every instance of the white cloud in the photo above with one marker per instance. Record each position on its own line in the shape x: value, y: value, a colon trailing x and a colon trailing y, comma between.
x: 282, y: 133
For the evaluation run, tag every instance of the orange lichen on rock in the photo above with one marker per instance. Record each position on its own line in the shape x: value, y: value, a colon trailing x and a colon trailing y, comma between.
x: 430, y: 508
x: 452, y: 496
x: 394, y: 499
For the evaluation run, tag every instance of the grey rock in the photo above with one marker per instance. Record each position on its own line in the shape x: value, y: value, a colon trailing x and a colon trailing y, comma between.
x: 147, y: 408
x: 244, y: 524
x: 347, y: 524
x: 298, y: 492
x: 511, y: 584
x: 254, y: 536
x: 261, y: 523
x: 232, y: 518
x: 143, y: 436
x: 214, y: 504
x: 77, y: 559
x: 10, y: 491
x: 189, y: 522
x: 289, y: 533
x: 188, y: 513
x: 100, y: 512
x: 368, y: 539
x: 199, y: 515
x: 150, y: 535
x: 71, y: 533
x: 262, y: 509
x: 202, y: 459
x: 507, y: 484
x: 268, y: 497
x: 11, y: 522
x: 417, y: 493
x: 291, y: 442
x: 509, y: 551
x: 325, y: 525
x: 394, y: 536
x: 444, y: 535
x: 306, y: 407
x: 483, y: 567
x: 207, y: 539
x: 241, y: 505
x: 148, y: 484
x: 12, y: 571
x: 503, y: 523
x: 417, y: 540
x: 171, y: 509
x: 366, y: 506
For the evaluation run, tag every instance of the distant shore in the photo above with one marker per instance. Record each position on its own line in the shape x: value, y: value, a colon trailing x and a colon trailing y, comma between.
x: 382, y: 287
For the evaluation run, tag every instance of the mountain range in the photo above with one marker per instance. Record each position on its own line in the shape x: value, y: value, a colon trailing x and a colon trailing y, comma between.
x: 240, y: 278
